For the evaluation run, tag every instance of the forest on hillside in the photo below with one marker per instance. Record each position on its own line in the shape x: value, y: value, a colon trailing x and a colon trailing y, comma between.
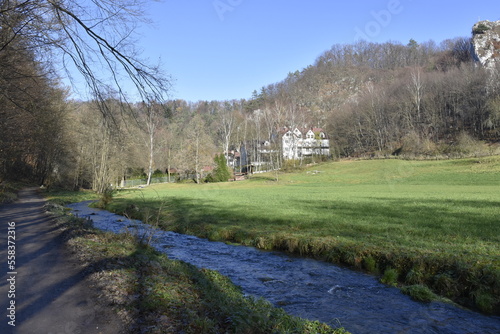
x: 391, y: 98
x: 372, y: 99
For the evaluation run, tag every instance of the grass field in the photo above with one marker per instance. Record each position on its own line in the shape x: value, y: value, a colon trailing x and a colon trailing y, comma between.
x: 434, y: 223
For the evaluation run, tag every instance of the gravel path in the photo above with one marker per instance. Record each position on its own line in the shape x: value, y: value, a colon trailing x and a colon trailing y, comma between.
x: 47, y: 289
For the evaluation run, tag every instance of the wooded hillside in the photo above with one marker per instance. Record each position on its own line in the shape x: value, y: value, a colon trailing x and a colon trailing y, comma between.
x: 392, y: 98
x: 414, y: 99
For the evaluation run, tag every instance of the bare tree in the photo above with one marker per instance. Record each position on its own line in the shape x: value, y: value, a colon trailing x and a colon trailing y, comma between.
x: 95, y: 37
x: 100, y: 157
x: 198, y: 149
x: 416, y: 89
x: 226, y: 125
x: 151, y: 118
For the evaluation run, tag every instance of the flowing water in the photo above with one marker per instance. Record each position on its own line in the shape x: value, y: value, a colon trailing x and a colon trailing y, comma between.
x: 307, y: 288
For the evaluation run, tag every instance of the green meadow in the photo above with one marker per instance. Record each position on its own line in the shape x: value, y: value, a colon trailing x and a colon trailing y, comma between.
x: 424, y: 223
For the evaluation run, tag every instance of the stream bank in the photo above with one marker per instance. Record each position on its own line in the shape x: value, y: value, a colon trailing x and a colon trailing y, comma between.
x: 304, y: 287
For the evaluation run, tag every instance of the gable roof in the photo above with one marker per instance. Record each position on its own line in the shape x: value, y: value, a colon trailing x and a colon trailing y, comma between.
x: 304, y: 131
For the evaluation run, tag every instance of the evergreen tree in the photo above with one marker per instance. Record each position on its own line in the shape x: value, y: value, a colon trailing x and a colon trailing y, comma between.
x: 221, y: 172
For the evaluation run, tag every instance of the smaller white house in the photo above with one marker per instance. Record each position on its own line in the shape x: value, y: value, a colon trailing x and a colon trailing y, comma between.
x: 305, y: 142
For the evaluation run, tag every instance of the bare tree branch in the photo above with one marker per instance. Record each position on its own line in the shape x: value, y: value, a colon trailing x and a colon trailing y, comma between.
x: 96, y: 36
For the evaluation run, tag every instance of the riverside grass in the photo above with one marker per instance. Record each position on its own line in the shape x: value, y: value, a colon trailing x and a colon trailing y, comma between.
x: 434, y: 223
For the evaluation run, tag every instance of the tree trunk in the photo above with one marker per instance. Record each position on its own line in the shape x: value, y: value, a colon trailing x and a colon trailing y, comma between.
x: 151, y: 153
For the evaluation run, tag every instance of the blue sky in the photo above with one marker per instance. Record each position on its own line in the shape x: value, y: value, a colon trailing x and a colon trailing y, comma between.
x: 225, y: 49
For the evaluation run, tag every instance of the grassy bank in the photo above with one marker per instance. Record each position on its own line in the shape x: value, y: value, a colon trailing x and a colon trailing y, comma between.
x: 63, y: 197
x: 154, y: 294
x: 8, y: 191
x: 419, y: 223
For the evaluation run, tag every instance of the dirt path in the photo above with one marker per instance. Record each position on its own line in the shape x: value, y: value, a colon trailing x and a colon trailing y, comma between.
x: 48, y: 285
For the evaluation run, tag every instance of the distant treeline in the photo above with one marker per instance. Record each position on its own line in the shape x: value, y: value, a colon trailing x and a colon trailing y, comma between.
x: 371, y: 99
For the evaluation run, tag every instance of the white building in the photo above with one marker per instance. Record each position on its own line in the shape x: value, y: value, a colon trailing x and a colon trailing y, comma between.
x: 306, y: 142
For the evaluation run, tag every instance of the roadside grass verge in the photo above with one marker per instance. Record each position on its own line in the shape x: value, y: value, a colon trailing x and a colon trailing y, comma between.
x: 433, y: 223
x: 154, y: 294
x: 8, y: 191
x: 63, y: 197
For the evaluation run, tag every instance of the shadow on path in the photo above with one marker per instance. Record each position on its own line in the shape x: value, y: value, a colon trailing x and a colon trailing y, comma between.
x: 50, y: 288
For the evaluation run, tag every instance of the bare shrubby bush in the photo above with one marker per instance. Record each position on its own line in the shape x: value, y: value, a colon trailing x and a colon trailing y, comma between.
x: 466, y: 146
x: 415, y: 146
x: 105, y: 198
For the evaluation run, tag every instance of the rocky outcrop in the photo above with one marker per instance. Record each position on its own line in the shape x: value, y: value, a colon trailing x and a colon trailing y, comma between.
x: 486, y: 43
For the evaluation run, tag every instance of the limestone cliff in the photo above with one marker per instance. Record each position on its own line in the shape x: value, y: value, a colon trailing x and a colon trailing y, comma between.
x: 486, y: 43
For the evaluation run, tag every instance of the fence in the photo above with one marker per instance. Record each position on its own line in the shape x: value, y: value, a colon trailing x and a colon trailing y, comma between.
x: 139, y: 182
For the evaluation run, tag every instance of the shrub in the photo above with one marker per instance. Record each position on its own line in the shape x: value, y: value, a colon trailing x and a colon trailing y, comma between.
x: 484, y: 301
x: 414, y: 145
x: 390, y: 277
x: 136, y: 173
x: 415, y: 276
x: 158, y: 173
x: 419, y: 293
x: 8, y: 192
x: 105, y: 198
x: 291, y: 166
x: 370, y: 264
x: 444, y: 284
x: 480, y: 29
x: 466, y: 145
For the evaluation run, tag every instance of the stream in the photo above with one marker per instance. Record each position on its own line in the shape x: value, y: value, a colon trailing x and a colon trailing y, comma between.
x: 307, y: 288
